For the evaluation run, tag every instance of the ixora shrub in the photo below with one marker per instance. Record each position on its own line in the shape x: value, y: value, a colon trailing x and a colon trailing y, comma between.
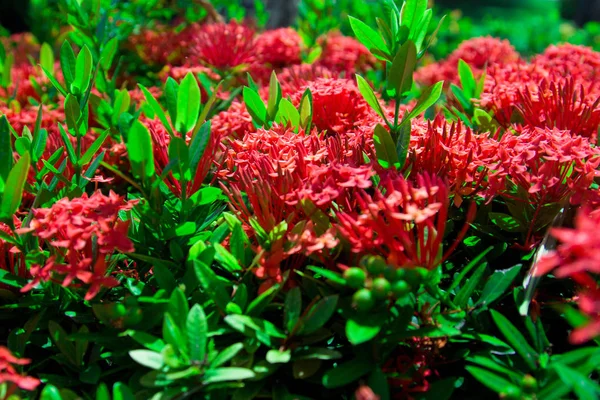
x: 277, y: 216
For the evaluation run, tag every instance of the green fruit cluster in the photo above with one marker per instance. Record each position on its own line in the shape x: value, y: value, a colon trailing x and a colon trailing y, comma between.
x: 376, y: 281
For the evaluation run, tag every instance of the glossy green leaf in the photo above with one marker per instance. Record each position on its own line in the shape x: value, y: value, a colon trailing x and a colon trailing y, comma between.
x: 94, y: 147
x: 68, y: 63
x: 47, y: 57
x: 188, y: 104
x: 11, y: 199
x: 122, y: 392
x: 400, y: 74
x: 465, y: 292
x: 108, y: 53
x: 369, y: 96
x: 147, y: 358
x: 345, y: 373
x: 367, y: 35
x: 498, y: 284
x: 6, y: 152
x: 292, y: 308
x: 172, y: 334
x: 139, y: 148
x: 211, y: 284
x: 318, y: 314
x: 157, y: 109
x: 171, y: 92
x: 226, y: 374
x: 226, y: 354
x: 306, y: 110
x: 412, y: 13
x: 515, y: 339
x: 255, y: 106
x: 428, y: 98
x: 492, y: 380
x: 467, y: 79
x: 274, y: 96
x: 288, y: 114
x: 385, y: 148
x: 83, y: 71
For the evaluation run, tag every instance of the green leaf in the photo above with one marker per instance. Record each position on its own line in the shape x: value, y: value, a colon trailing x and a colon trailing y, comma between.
x: 400, y: 75
x: 403, y: 132
x: 506, y: 222
x: 493, y: 381
x: 179, y: 156
x: 369, y: 96
x: 164, y: 278
x: 94, y: 147
x: 288, y: 114
x: 379, y: 384
x: 426, y: 100
x: 108, y: 53
x: 328, y: 274
x: 72, y: 114
x: 9, y: 279
x: 515, y: 339
x: 256, y: 307
x: 467, y: 79
x: 68, y: 145
x: 292, y: 308
x: 147, y: 358
x: 6, y: 152
x: 157, y: 109
x: 227, y: 374
x: 54, y: 82
x: 60, y: 338
x: 306, y: 110
x: 50, y: 392
x: 188, y: 104
x: 256, y: 107
x: 226, y: 259
x: 197, y: 333
x: 274, y: 96
x: 257, y: 328
x: 139, y: 148
x: 83, y: 71
x: 276, y: 356
x: 413, y: 12
x: 122, y: 392
x: 346, y: 373
x: 465, y: 292
x: 47, y: 57
x: 171, y: 90
x: 361, y: 329
x: 198, y: 146
x: 318, y: 315
x: 368, y: 36
x: 147, y: 340
x: 497, y: 284
x: 11, y: 199
x: 584, y: 387
x: 211, y: 284
x: 68, y: 63
x: 226, y: 354
x: 178, y: 308
x: 173, y: 335
x: 385, y: 148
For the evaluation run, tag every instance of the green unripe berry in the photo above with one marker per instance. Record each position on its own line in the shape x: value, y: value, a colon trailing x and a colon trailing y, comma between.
x: 413, y: 277
x: 381, y: 288
x: 374, y: 264
x: 390, y: 274
x: 529, y: 384
x: 363, y: 300
x: 355, y: 277
x: 401, y: 288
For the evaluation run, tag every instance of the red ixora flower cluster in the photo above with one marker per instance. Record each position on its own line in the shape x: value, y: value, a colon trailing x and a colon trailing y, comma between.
x: 403, y: 221
x: 83, y: 233
x: 578, y: 257
x: 9, y: 373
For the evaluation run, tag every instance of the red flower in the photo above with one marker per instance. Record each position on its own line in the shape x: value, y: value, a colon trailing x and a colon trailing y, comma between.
x: 403, y: 222
x: 477, y: 52
x: 9, y: 374
x: 279, y: 48
x: 570, y: 61
x: 578, y: 257
x: 83, y: 232
x: 549, y: 164
x: 344, y: 54
x: 224, y: 46
x: 456, y: 154
x: 565, y: 106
